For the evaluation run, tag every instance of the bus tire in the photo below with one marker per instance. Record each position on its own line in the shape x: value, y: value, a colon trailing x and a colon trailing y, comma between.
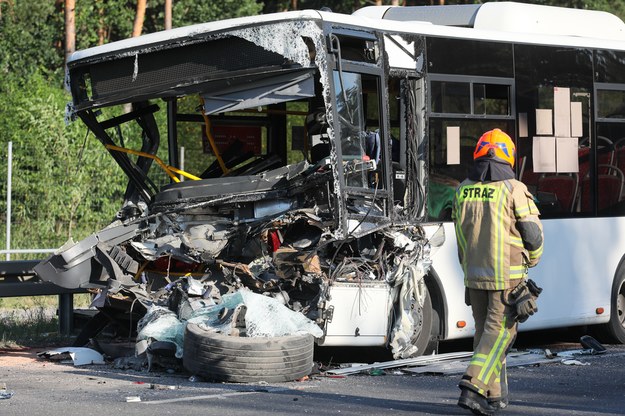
x: 432, y: 347
x: 219, y: 357
x: 614, y: 330
x: 423, y: 340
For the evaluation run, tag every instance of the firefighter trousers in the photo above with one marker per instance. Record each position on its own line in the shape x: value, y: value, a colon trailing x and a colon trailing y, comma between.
x: 495, y: 332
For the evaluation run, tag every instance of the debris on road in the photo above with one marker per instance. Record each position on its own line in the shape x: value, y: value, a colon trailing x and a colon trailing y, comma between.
x: 589, y: 343
x: 76, y: 355
x: 456, y: 363
x: 428, y: 359
x: 568, y: 361
x: 4, y: 393
x: 514, y: 359
x: 163, y: 387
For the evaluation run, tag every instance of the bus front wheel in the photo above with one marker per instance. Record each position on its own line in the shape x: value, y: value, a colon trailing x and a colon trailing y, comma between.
x: 423, y: 339
x: 615, y: 328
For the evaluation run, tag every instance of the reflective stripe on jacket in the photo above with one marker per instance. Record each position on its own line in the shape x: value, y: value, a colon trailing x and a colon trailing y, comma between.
x: 490, y: 247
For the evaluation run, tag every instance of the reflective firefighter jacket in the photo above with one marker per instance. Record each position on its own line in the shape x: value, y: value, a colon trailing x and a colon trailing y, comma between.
x: 491, y: 221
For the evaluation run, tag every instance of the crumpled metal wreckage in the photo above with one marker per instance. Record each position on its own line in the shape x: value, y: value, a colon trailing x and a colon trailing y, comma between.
x: 186, y: 260
x: 313, y: 243
x: 180, y: 268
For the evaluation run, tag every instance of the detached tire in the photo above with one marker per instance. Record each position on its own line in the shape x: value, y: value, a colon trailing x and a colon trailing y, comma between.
x: 221, y: 357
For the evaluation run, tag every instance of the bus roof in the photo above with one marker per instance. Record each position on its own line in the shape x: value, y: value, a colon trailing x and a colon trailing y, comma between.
x: 509, y: 17
x: 189, y: 32
x: 501, y: 21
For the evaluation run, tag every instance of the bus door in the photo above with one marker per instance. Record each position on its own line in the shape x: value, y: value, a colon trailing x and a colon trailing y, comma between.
x: 609, y: 114
x: 360, y: 132
x: 407, y: 115
x: 361, y: 170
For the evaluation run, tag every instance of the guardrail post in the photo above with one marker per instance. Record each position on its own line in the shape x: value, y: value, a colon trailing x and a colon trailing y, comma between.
x: 9, y: 186
x: 66, y: 313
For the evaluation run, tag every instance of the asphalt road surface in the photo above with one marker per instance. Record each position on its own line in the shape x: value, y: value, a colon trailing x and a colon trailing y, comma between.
x: 596, y: 386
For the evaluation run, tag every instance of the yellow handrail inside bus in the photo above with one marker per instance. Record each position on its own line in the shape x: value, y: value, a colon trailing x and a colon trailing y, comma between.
x: 211, y: 140
x: 170, y: 170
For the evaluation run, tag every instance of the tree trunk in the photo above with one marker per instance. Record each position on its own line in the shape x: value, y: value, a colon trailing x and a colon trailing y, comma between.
x: 168, y: 14
x: 70, y: 28
x: 102, y: 32
x: 139, y: 18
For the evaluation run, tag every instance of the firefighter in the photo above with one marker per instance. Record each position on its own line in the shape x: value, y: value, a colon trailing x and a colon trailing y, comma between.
x: 499, y: 236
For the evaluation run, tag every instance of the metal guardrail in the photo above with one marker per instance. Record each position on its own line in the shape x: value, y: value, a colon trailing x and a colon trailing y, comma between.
x: 17, y: 278
x: 8, y: 252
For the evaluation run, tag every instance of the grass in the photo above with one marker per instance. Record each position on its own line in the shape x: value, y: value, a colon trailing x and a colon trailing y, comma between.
x: 33, y: 321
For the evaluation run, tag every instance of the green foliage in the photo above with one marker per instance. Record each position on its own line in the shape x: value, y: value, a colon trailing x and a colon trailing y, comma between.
x: 337, y: 6
x: 64, y: 184
x: 31, y: 36
x: 31, y: 321
x: 112, y: 20
x: 188, y: 12
x: 27, y: 327
x: 103, y: 21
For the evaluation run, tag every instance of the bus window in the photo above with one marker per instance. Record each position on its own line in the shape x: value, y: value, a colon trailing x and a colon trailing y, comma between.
x: 553, y: 86
x: 348, y: 91
x: 465, y: 106
x: 469, y: 57
x: 491, y: 99
x: 444, y: 177
x: 450, y: 97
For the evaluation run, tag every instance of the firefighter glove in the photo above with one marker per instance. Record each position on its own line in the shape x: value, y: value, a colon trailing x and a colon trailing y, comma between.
x: 525, y: 307
x: 523, y: 299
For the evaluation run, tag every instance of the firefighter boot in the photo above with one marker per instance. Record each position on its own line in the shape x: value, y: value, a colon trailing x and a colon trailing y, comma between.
x: 475, y: 402
x: 501, y: 402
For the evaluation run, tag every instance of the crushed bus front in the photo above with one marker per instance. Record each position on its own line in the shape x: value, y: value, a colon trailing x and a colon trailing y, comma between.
x: 294, y: 184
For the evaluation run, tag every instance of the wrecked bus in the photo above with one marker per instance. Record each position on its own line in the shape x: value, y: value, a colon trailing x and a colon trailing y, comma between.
x: 311, y: 157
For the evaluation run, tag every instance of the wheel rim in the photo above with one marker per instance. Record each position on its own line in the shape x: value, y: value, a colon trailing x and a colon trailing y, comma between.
x: 417, y: 316
x: 620, y: 306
